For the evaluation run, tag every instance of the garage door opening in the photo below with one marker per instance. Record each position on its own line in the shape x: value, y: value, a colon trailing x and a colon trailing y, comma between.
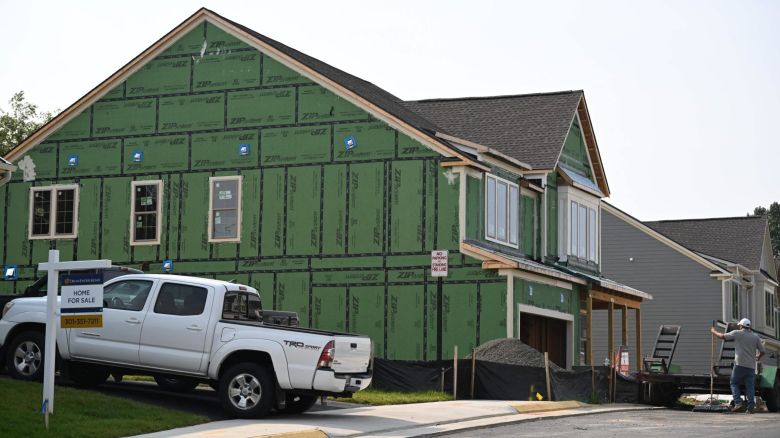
x: 550, y: 333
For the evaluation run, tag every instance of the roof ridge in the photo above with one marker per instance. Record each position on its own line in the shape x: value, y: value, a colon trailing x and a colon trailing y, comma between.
x: 500, y: 96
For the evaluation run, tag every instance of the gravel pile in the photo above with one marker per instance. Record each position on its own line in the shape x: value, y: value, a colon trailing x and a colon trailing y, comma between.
x: 512, y: 352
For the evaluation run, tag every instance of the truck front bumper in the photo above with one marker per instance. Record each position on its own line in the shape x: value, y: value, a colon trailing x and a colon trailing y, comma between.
x: 330, y: 381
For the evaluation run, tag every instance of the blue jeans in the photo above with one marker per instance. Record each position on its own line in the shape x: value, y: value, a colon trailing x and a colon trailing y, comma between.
x: 743, y: 376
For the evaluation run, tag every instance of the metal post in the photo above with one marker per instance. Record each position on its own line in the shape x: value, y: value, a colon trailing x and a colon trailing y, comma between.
x: 455, y: 374
x: 50, y: 340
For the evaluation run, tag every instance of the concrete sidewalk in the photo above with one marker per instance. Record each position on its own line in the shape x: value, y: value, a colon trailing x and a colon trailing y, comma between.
x: 421, y: 419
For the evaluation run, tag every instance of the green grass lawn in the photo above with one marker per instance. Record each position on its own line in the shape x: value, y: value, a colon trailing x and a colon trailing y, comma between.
x: 80, y: 413
x: 378, y: 397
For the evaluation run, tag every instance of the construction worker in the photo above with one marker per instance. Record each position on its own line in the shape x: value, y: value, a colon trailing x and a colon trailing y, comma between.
x: 746, y: 343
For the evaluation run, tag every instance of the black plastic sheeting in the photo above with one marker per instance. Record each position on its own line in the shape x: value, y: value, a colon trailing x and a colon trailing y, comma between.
x: 497, y: 381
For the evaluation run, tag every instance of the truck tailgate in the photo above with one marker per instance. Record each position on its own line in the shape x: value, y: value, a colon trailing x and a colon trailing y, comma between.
x: 352, y: 355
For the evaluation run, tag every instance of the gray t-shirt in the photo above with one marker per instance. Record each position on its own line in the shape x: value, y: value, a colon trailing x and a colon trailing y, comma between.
x: 745, y: 345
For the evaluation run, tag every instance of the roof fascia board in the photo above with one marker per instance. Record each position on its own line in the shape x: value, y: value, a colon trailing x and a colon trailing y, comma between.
x: 593, y: 148
x: 334, y: 87
x: 107, y: 85
x: 661, y: 238
x: 484, y: 149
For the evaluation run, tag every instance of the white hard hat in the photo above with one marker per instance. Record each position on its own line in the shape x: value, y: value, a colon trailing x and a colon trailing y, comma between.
x: 744, y: 322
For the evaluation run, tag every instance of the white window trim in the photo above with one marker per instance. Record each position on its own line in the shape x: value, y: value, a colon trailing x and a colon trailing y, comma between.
x: 517, y: 226
x: 53, y: 212
x: 133, y: 185
x: 567, y: 195
x: 212, y: 180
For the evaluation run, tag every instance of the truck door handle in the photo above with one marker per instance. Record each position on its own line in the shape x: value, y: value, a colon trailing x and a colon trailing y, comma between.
x: 132, y: 321
x: 194, y: 328
x: 93, y: 334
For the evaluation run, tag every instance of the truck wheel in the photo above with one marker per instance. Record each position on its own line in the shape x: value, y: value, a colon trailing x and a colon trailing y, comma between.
x: 772, y: 397
x: 298, y: 404
x: 24, y: 359
x: 246, y: 390
x: 176, y: 384
x: 87, y: 376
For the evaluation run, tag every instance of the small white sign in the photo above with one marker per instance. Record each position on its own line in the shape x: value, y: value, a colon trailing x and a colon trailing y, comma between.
x: 439, y: 263
x: 88, y: 297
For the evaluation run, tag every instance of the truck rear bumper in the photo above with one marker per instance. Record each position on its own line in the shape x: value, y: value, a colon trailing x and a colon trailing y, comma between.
x: 330, y: 381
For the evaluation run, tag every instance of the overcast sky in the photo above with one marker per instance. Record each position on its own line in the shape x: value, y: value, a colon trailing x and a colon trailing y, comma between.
x: 683, y: 95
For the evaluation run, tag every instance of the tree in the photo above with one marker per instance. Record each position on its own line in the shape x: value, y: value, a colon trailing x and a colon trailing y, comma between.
x: 23, y: 119
x: 773, y: 215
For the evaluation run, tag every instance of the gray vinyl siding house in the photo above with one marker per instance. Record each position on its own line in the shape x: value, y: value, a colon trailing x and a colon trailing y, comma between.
x: 690, y: 289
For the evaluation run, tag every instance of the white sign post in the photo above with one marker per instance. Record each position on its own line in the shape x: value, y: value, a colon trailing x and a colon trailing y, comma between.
x: 439, y: 263
x: 53, y: 268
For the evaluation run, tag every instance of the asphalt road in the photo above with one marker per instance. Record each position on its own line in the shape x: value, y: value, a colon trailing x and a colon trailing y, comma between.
x: 634, y: 424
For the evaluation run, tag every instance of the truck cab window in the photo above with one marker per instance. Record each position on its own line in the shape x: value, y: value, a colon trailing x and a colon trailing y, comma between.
x: 126, y: 295
x: 181, y: 300
x: 242, y: 306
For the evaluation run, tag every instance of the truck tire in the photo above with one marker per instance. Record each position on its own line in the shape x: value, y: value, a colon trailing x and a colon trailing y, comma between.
x: 246, y: 390
x: 772, y: 396
x: 298, y: 404
x: 176, y: 384
x: 86, y: 375
x: 25, y: 356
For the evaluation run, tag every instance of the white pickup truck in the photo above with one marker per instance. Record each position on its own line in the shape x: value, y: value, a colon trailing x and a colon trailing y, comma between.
x: 187, y: 330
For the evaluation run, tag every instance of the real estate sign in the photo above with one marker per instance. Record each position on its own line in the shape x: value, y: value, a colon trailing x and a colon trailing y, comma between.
x: 81, y: 302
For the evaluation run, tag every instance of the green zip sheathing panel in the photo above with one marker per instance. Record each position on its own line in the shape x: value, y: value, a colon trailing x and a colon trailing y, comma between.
x: 475, y: 207
x: 527, y: 225
x: 342, y: 235
x: 575, y: 152
x: 551, y: 298
x: 551, y: 191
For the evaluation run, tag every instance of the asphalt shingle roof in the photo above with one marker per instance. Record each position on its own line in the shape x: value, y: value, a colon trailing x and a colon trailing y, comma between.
x: 734, y: 239
x: 528, y: 127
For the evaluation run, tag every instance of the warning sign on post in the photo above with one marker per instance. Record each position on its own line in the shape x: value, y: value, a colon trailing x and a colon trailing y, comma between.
x: 439, y: 263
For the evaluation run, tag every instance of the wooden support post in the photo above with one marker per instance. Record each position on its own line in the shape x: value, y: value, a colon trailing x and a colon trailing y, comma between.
x: 455, y: 374
x: 547, y: 375
x: 638, y: 324
x: 473, y: 369
x: 589, y: 334
x: 610, y: 332
x: 624, y: 325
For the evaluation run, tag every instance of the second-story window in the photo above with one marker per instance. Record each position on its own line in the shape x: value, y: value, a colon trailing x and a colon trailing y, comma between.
x: 224, y: 208
x: 54, y: 212
x: 146, y: 214
x: 501, y: 209
x: 583, y: 232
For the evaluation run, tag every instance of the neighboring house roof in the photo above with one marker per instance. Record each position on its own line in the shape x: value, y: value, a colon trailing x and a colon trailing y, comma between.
x: 529, y: 127
x: 737, y: 240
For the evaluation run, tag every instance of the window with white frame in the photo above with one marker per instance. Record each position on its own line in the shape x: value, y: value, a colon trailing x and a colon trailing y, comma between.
x: 224, y: 208
x: 583, y: 232
x: 54, y: 212
x: 501, y: 209
x: 735, y: 300
x: 769, y: 307
x: 146, y: 212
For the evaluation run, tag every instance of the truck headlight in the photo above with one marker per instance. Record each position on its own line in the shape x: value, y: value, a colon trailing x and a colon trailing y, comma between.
x: 7, y: 308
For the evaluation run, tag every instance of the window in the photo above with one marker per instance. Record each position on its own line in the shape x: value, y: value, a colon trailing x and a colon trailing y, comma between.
x: 53, y: 212
x: 735, y: 301
x: 242, y: 306
x: 224, y: 209
x: 501, y: 207
x: 126, y: 295
x: 769, y: 308
x: 583, y: 234
x: 180, y: 299
x: 146, y: 214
